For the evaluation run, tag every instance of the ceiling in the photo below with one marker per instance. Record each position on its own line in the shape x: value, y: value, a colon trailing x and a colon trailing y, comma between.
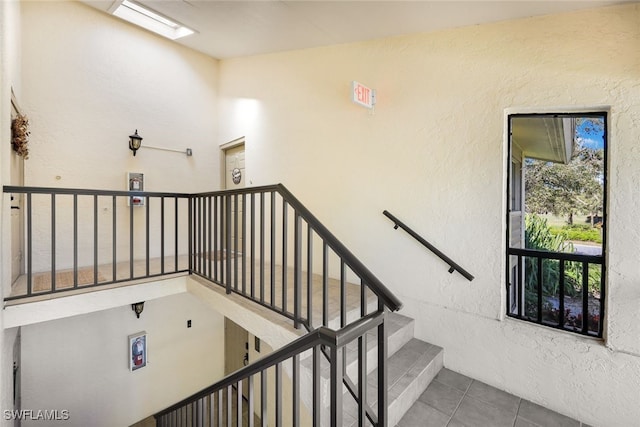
x: 227, y: 29
x: 548, y: 138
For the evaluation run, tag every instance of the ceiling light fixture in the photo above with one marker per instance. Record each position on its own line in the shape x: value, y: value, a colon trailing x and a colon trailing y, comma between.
x: 149, y: 19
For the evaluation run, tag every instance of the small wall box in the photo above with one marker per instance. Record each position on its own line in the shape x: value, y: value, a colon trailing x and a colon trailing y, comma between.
x: 135, y: 182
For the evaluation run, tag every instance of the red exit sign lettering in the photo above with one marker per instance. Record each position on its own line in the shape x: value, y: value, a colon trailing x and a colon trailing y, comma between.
x: 362, y: 95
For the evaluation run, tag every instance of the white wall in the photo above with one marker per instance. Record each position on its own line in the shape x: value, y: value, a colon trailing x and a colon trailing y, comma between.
x: 433, y: 153
x: 90, y: 80
x: 9, y: 78
x: 81, y: 363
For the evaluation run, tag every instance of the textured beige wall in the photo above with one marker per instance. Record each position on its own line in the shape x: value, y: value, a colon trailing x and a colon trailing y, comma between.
x: 9, y: 78
x: 90, y: 80
x: 433, y: 153
x: 81, y: 363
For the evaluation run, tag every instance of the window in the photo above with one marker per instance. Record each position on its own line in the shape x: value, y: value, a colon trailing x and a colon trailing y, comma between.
x: 556, y: 220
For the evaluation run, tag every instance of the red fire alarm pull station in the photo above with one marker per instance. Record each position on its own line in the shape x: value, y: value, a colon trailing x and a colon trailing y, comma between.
x: 135, y: 182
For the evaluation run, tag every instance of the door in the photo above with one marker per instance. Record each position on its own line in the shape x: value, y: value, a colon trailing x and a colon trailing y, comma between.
x: 234, y: 167
x: 236, y: 349
x: 17, y: 222
x: 234, y: 178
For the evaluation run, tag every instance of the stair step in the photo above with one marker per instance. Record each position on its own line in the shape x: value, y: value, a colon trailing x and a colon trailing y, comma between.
x: 399, y: 331
x: 409, y: 372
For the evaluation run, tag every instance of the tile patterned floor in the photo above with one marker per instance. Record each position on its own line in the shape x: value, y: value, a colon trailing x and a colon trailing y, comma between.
x: 454, y: 400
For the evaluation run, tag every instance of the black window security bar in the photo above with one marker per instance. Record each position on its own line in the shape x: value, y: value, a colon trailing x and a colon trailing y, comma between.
x: 561, y: 290
x: 453, y: 266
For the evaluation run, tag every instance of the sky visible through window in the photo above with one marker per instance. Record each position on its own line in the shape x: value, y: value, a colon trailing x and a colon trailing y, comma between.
x: 590, y: 136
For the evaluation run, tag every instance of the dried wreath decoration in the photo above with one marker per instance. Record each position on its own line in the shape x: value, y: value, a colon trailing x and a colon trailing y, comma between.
x: 20, y: 135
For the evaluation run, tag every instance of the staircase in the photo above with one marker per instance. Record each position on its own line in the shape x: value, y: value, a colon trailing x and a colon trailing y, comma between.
x: 412, y: 364
x: 264, y: 245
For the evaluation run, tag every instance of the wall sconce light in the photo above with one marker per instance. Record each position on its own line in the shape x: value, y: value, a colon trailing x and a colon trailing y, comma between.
x: 138, y: 306
x: 135, y: 141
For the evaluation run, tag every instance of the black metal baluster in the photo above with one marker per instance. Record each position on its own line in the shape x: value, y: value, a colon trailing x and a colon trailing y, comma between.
x: 176, y: 234
x: 585, y: 298
x: 195, y: 412
x: 198, y: 226
x: 95, y: 239
x: 147, y: 207
x: 343, y: 295
x: 250, y: 414
x: 561, y: 296
x: 191, y: 242
x: 337, y: 373
x: 220, y: 406
x: 362, y: 375
x: 235, y: 242
x: 362, y: 360
x: 273, y: 249
x: 227, y: 275
x: 115, y: 237
x: 162, y: 235
x: 519, y: 290
x: 297, y: 271
x: 239, y: 402
x: 382, y: 368
x: 131, y: 241
x: 243, y: 245
x: 211, y: 246
x: 253, y: 246
x: 540, y: 287
x: 53, y: 242
x: 602, y: 298
x: 212, y: 411
x: 263, y: 398
x: 343, y: 306
x: 216, y: 238
x: 278, y: 374
x: 325, y: 284
x: 229, y: 406
x: 262, y: 265
x: 75, y: 241
x: 29, y: 245
x: 285, y: 227
x: 316, y: 386
x: 309, y: 275
x: 296, y: 390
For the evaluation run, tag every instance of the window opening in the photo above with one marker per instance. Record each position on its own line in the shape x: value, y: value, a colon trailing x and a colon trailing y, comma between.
x: 556, y: 220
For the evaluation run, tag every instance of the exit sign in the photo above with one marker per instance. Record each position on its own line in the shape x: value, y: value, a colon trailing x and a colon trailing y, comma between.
x: 362, y: 95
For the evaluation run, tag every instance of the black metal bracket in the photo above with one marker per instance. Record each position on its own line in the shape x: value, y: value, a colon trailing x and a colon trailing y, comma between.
x: 452, y: 265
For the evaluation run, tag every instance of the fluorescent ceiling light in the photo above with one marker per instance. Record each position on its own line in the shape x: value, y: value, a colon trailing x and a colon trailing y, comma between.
x: 152, y: 21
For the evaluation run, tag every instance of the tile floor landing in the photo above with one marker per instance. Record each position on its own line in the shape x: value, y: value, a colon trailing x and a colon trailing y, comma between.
x: 455, y: 400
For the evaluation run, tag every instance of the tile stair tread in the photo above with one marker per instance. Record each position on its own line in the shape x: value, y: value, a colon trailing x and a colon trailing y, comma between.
x: 403, y: 367
x: 396, y: 330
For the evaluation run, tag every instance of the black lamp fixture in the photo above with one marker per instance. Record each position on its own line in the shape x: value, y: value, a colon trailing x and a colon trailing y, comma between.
x: 135, y: 141
x: 138, y: 306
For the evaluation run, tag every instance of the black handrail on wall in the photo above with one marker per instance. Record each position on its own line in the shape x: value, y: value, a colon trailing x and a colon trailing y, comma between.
x: 453, y: 266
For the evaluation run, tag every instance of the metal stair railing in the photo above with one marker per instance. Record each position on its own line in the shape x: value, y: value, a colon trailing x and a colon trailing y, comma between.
x: 214, y: 404
x: 261, y: 243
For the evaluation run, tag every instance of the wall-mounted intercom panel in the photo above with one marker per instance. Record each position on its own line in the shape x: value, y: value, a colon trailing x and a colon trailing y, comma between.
x: 135, y: 182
